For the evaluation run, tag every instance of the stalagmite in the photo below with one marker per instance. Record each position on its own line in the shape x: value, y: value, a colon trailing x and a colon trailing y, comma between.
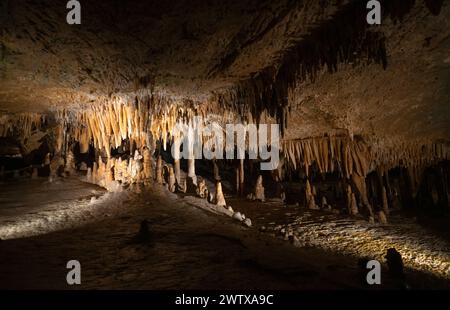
x: 324, y: 203
x: 202, y: 189
x: 100, y: 173
x: 310, y: 202
x: 136, y: 167
x: 34, y: 174
x: 382, y: 217
x: 259, y: 190
x: 56, y: 163
x: 219, y: 199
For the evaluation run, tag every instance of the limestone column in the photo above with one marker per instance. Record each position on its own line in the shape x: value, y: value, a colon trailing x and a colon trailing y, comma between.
x: 176, y: 160
x: 360, y: 183
x: 216, y: 170
x: 241, y: 177
x: 159, y: 176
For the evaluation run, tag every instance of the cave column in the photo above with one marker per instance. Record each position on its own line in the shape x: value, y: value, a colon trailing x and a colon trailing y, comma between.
x: 176, y: 162
x: 147, y: 164
x: 159, y: 172
x: 191, y: 170
x: 360, y: 184
x: 216, y: 170
x: 241, y: 177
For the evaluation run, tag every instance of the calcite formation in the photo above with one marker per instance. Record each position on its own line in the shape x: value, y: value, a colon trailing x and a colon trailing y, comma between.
x: 259, y: 190
x: 202, y: 189
x: 219, y: 198
x: 316, y: 69
x: 159, y: 170
x: 309, y: 197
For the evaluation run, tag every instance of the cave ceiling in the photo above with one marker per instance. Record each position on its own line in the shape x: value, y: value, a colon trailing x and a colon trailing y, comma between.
x: 196, y: 49
x: 184, y: 48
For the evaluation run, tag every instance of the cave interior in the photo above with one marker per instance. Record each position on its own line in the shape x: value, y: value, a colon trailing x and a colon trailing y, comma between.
x: 362, y: 110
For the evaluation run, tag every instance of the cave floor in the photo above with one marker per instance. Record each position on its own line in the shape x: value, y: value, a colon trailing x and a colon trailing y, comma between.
x: 422, y: 248
x: 189, y: 248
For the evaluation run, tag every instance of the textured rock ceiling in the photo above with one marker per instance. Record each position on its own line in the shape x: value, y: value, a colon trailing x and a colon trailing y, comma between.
x: 186, y: 48
x: 189, y: 49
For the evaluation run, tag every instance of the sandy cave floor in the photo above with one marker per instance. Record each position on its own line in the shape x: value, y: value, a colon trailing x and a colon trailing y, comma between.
x: 190, y: 248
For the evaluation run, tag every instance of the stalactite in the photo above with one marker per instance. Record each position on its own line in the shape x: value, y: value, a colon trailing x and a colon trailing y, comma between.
x: 70, y: 163
x: 355, y: 157
x: 21, y: 125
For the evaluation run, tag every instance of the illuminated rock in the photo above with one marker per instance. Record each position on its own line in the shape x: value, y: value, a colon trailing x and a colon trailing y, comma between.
x: 219, y: 199
x: 202, y: 189
x: 259, y: 190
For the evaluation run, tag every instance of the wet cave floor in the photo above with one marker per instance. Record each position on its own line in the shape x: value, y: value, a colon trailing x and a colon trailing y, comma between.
x: 189, y: 247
